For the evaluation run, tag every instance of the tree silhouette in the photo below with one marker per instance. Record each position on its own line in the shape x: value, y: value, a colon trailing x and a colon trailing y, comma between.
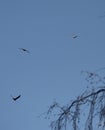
x: 86, y: 112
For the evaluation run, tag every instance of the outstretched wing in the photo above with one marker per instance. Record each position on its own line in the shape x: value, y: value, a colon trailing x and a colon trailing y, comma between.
x: 75, y: 36
x: 25, y: 50
x: 15, y: 98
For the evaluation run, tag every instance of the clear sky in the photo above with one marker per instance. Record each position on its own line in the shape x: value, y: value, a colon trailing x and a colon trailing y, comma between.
x: 52, y: 69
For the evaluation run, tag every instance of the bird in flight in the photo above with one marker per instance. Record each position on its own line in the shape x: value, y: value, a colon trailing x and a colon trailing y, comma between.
x: 15, y: 98
x: 25, y: 50
x: 75, y: 36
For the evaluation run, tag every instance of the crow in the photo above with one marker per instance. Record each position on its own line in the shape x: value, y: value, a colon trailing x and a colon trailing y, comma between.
x: 15, y: 98
x: 25, y: 50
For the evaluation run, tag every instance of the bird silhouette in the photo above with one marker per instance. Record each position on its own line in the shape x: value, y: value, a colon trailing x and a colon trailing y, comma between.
x: 75, y: 36
x: 25, y: 50
x: 15, y: 98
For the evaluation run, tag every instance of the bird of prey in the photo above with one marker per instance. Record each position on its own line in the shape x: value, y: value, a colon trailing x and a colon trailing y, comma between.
x: 25, y: 50
x: 15, y: 98
x: 75, y: 36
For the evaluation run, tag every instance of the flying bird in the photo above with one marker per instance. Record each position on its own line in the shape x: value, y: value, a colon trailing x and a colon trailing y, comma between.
x: 15, y: 98
x: 25, y: 50
x: 75, y: 36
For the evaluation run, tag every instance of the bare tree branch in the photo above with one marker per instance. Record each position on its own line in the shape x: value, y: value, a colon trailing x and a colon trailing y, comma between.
x: 72, y: 115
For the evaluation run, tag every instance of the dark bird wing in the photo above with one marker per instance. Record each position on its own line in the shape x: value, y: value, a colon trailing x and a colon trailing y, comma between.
x: 15, y: 98
x: 25, y: 50
x: 75, y: 36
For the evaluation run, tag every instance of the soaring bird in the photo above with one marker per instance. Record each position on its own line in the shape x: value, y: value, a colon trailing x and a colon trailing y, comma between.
x: 15, y: 98
x: 75, y: 36
x: 25, y: 50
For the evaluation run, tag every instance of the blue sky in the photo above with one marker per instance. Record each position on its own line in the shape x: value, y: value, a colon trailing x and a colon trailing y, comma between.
x: 52, y: 69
